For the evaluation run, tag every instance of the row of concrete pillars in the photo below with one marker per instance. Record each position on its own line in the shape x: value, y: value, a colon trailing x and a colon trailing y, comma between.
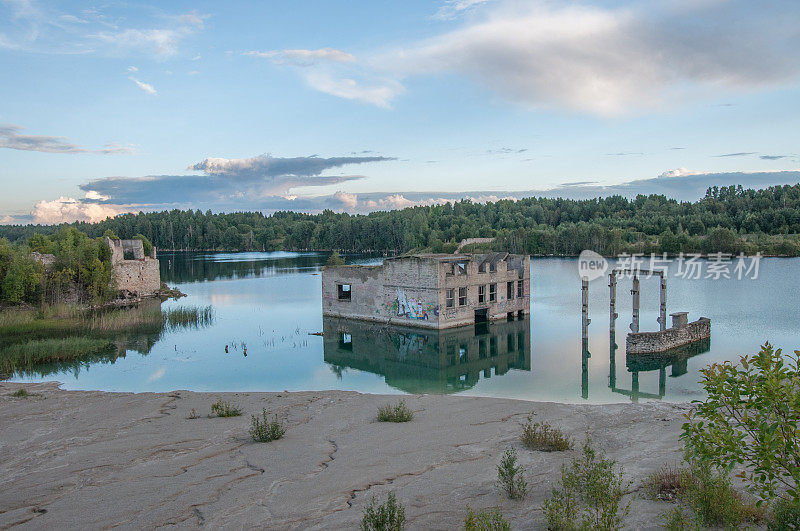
x: 612, y: 285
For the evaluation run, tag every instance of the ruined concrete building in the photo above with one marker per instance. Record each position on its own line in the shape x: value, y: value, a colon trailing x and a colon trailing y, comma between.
x: 430, y: 290
x: 131, y: 270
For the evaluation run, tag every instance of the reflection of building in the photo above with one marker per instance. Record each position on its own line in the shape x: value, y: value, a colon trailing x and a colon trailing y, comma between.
x: 676, y: 358
x: 430, y: 290
x: 428, y: 361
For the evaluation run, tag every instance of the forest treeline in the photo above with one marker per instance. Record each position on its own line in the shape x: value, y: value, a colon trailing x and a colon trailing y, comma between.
x: 727, y: 219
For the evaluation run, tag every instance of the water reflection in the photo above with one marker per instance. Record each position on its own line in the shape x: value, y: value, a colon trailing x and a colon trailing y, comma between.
x: 183, y: 267
x: 676, y: 359
x: 428, y: 361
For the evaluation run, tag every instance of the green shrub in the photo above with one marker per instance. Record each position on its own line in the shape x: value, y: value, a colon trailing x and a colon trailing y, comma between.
x: 390, y: 516
x: 397, y: 413
x: 335, y: 259
x: 678, y: 520
x: 543, y: 437
x: 750, y: 418
x: 509, y: 474
x: 223, y: 408
x: 265, y: 430
x: 21, y: 393
x: 591, y: 490
x: 785, y: 515
x: 485, y: 520
x: 713, y: 500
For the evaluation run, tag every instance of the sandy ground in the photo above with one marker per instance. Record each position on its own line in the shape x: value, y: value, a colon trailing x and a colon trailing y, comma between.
x: 91, y: 460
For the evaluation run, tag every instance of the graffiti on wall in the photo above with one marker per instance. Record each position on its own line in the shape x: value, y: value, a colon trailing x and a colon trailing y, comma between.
x: 412, y: 308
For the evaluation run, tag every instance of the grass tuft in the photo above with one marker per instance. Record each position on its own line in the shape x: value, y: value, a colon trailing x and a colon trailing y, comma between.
x: 485, y: 520
x: 223, y: 408
x: 545, y: 438
x: 666, y: 484
x: 389, y: 516
x: 265, y: 430
x: 21, y: 393
x: 395, y: 413
x: 509, y: 474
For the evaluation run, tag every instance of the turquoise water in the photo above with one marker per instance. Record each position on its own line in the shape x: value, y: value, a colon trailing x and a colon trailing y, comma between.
x: 266, y: 305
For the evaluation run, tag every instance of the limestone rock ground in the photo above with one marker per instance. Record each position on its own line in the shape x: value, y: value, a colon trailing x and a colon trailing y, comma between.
x: 88, y: 460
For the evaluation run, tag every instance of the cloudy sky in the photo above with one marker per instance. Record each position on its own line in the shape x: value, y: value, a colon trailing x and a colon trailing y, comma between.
x: 356, y: 106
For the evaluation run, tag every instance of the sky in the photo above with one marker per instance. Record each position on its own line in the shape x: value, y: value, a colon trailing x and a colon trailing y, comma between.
x: 111, y: 107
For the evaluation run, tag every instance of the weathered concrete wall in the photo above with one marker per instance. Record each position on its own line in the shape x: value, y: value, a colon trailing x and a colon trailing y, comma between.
x: 397, y: 292
x: 650, y: 342
x: 413, y: 290
x: 140, y: 275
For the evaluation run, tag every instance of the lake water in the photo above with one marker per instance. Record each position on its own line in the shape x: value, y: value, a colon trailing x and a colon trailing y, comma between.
x: 266, y: 305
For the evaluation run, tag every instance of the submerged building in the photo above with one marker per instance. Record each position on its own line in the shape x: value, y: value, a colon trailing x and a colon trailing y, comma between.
x: 430, y: 290
x: 132, y: 271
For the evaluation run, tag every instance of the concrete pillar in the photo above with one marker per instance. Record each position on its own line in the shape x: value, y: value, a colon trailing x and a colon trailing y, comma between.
x: 612, y: 361
x: 662, y: 316
x: 585, y: 371
x: 612, y: 310
x: 635, y: 293
x: 585, y: 309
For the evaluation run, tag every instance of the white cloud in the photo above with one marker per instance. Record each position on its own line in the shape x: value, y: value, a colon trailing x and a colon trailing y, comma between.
x: 678, y: 172
x: 613, y: 60
x: 380, y: 94
x: 451, y: 9
x: 132, y: 69
x: 144, y: 86
x: 304, y: 57
x: 350, y: 201
x: 68, y: 209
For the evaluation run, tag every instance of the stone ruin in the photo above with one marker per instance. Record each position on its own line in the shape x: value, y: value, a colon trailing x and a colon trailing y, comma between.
x: 134, y: 273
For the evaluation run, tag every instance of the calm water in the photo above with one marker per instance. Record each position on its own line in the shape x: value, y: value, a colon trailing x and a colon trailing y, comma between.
x: 267, y: 304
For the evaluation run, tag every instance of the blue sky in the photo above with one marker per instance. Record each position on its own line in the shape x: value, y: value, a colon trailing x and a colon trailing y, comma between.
x: 113, y: 107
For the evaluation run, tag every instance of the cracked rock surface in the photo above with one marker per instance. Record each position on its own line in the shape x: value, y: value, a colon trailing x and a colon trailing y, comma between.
x: 90, y: 460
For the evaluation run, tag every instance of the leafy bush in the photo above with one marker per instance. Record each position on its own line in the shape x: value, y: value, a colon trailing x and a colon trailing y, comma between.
x: 390, y: 516
x: 265, y: 430
x: 785, y: 515
x: 543, y: 437
x: 713, y: 500
x: 397, y: 413
x: 591, y: 490
x: 485, y: 520
x: 223, y: 408
x: 509, y: 474
x: 335, y: 259
x: 21, y: 393
x: 750, y: 418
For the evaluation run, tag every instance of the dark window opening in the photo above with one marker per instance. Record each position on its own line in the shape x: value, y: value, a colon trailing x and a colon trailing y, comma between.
x: 450, y: 297
x: 492, y: 292
x: 462, y: 296
x: 510, y: 316
x: 493, y: 267
x: 509, y: 290
x: 520, y: 289
x: 482, y: 267
x: 481, y: 315
x: 344, y: 292
x: 481, y: 294
x: 461, y: 268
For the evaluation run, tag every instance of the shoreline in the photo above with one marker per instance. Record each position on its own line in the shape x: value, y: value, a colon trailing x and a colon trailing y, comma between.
x: 91, y: 459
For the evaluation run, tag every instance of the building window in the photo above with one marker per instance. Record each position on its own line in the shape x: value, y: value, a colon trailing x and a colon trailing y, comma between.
x: 450, y: 297
x: 461, y: 268
x: 344, y: 292
x: 346, y: 341
x: 520, y: 289
x: 481, y: 294
x: 450, y: 269
x: 493, y: 267
x: 492, y: 292
x: 509, y: 290
x: 462, y: 296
